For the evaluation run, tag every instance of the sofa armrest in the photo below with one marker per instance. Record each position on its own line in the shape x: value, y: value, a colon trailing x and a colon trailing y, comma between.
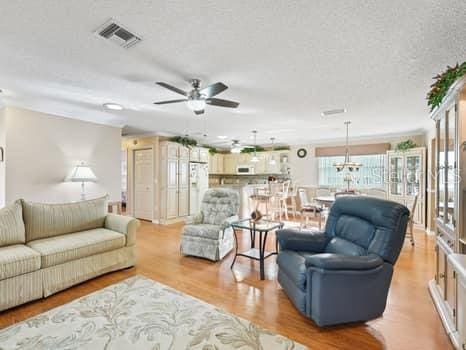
x: 289, y: 239
x: 328, y: 261
x: 194, y: 219
x: 123, y: 224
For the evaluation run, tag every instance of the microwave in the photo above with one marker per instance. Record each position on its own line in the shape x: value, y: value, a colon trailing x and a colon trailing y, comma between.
x: 245, y: 170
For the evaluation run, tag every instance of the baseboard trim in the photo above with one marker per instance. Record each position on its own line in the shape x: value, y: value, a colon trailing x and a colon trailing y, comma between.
x: 155, y: 221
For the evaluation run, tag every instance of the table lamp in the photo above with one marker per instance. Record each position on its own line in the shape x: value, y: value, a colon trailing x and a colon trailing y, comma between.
x: 82, y: 173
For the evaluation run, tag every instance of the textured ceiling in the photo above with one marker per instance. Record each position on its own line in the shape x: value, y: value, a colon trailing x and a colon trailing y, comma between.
x: 285, y: 61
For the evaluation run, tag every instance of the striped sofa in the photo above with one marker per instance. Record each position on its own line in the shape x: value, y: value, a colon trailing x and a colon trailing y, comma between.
x: 45, y: 248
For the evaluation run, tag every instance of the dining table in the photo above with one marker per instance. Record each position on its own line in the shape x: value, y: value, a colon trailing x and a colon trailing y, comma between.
x: 325, y: 200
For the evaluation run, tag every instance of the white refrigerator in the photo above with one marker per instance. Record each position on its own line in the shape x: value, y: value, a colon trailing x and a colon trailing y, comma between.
x: 198, y: 185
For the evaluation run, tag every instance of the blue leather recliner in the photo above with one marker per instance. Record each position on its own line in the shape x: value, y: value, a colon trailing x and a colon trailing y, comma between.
x: 343, y: 274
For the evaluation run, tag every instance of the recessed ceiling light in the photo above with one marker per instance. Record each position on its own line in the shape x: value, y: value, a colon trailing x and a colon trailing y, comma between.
x: 113, y: 106
x: 222, y: 137
x: 332, y: 112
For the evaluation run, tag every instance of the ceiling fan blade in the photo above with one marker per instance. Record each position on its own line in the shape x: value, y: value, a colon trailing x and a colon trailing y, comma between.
x: 199, y: 112
x: 213, y: 89
x: 222, y: 103
x: 172, y: 88
x: 170, y: 101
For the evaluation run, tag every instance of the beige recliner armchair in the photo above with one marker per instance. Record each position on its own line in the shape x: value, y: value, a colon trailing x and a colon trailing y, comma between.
x: 209, y: 234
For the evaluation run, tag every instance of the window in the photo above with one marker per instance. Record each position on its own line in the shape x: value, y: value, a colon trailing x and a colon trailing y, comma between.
x: 371, y: 175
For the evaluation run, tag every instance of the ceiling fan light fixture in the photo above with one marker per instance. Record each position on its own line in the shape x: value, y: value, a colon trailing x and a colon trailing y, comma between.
x: 236, y: 150
x: 196, y: 104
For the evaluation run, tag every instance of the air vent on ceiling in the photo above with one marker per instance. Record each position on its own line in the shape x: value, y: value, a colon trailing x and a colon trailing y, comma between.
x: 116, y: 33
x: 333, y: 112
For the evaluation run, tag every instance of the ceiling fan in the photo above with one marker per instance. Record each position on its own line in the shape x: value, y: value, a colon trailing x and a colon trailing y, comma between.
x: 237, y: 147
x: 198, y: 97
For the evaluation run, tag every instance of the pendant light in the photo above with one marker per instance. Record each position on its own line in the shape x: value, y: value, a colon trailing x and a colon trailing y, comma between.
x: 272, y: 160
x: 254, y: 158
x: 347, y: 164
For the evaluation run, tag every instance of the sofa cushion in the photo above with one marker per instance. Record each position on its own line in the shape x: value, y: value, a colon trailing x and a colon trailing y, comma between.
x: 292, y: 263
x: 18, y: 259
x: 203, y: 230
x: 60, y: 249
x: 11, y: 224
x: 48, y: 220
x: 341, y: 246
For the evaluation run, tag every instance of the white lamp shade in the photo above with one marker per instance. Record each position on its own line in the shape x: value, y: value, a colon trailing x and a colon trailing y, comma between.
x: 82, y: 173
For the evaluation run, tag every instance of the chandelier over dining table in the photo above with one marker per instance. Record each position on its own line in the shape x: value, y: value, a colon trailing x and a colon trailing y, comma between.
x: 347, y: 164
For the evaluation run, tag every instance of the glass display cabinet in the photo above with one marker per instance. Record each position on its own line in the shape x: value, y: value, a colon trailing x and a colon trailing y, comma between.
x: 406, y: 179
x: 448, y: 287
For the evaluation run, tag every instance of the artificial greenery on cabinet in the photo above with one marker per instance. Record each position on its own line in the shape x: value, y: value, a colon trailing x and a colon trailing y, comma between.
x: 443, y: 82
x: 185, y: 141
x: 405, y: 145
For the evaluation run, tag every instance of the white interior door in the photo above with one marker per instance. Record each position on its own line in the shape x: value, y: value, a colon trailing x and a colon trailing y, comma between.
x: 143, y: 184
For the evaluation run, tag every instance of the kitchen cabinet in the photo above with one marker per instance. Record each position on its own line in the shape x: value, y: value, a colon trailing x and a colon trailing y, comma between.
x: 407, y: 178
x: 260, y: 167
x: 199, y: 154
x: 230, y: 162
x: 203, y: 155
x: 174, y: 182
x: 448, y: 287
x: 216, y: 163
x: 227, y: 163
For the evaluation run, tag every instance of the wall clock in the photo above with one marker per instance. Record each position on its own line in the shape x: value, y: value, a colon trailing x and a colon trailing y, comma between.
x: 301, y: 153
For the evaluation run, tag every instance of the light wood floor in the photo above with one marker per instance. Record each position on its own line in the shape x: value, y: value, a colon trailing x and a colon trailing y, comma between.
x: 409, y: 322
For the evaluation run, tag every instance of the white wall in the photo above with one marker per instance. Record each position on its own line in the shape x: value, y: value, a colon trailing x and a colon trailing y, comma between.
x: 42, y: 149
x: 2, y: 164
x: 304, y: 171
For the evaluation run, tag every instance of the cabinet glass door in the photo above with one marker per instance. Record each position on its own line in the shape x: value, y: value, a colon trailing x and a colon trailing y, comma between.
x: 413, y: 174
x: 441, y: 167
x: 396, y: 175
x: 451, y: 167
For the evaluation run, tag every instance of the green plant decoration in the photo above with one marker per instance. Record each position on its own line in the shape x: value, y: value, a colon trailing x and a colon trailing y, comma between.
x: 282, y: 148
x: 212, y: 150
x: 185, y: 141
x: 405, y: 145
x: 252, y: 149
x: 442, y: 83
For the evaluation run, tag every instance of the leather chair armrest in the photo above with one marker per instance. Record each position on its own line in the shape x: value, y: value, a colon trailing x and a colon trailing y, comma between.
x: 194, y: 219
x: 301, y: 241
x: 328, y: 261
x: 126, y: 225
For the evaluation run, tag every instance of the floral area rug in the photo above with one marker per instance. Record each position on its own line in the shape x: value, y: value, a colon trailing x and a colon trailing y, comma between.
x: 139, y: 313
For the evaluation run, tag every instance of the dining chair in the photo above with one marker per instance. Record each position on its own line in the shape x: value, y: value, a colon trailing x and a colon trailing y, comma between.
x: 409, y: 232
x: 291, y: 202
x: 278, y: 198
x: 309, y: 209
x: 260, y: 196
